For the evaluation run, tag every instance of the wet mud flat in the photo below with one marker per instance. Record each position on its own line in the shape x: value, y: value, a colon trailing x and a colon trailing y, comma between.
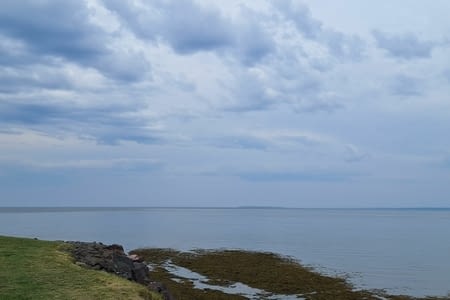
x: 237, y: 274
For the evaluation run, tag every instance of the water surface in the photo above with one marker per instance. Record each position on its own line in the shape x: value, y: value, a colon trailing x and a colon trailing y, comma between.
x: 405, y: 251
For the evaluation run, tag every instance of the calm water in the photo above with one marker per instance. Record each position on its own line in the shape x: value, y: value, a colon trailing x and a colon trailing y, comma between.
x: 405, y: 251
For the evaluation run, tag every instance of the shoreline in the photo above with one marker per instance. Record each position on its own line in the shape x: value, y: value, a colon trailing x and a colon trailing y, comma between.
x: 217, y: 274
x: 265, y: 271
x: 402, y: 251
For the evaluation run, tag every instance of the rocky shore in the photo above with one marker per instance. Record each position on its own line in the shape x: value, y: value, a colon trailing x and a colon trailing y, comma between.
x: 224, y: 274
x: 113, y: 259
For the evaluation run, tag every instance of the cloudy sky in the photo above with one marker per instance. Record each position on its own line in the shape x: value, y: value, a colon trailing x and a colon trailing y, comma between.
x: 314, y: 103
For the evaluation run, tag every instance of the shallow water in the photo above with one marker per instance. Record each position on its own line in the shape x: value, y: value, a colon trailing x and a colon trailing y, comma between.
x: 237, y: 288
x: 406, y: 251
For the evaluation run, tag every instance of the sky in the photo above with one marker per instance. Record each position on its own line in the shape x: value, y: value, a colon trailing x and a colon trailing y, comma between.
x: 314, y: 103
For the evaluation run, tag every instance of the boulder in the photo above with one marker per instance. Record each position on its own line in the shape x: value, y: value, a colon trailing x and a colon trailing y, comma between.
x: 110, y: 258
x: 113, y: 259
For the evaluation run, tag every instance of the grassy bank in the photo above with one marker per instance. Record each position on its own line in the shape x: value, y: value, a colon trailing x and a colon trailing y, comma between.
x: 266, y: 271
x: 33, y: 269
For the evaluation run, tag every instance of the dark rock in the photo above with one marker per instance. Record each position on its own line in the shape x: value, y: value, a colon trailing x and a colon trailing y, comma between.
x: 140, y: 273
x: 116, y: 248
x: 110, y: 258
x: 113, y: 259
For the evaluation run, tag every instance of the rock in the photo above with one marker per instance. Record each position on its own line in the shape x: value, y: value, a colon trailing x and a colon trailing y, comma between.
x: 110, y: 258
x: 115, y: 248
x: 140, y: 273
x: 113, y: 259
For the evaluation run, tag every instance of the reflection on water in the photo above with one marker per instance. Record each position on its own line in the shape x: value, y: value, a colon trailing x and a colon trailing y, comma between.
x: 405, y: 251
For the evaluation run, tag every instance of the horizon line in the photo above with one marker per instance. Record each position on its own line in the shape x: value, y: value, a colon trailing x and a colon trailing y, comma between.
x: 218, y: 207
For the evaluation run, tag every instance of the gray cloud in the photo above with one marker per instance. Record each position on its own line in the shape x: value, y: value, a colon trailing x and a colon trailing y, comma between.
x: 43, y: 29
x: 185, y: 25
x: 66, y: 33
x: 318, y: 105
x: 123, y: 164
x: 192, y: 28
x: 23, y: 79
x: 353, y: 154
x: 446, y: 74
x: 301, y: 16
x: 14, y: 52
x: 404, y: 85
x: 284, y: 79
x: 248, y: 39
x: 264, y: 93
x: 297, y: 176
x: 344, y: 47
x: 124, y: 66
x: 303, y: 94
x: 249, y: 93
x: 108, y: 124
x: 252, y: 40
x: 403, y: 46
x: 339, y: 45
x: 268, y: 140
x: 189, y: 27
x: 238, y: 142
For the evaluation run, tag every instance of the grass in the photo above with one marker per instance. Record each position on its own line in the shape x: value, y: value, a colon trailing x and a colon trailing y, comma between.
x: 33, y: 269
x: 266, y: 271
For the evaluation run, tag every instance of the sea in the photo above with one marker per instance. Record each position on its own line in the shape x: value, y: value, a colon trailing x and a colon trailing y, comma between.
x: 403, y: 251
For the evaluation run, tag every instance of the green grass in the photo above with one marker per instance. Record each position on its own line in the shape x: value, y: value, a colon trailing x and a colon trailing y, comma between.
x: 33, y: 269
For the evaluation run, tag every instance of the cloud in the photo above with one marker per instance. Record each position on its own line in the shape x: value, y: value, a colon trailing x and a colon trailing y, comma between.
x: 338, y: 44
x: 189, y: 27
x: 114, y: 163
x: 344, y: 47
x: 300, y: 14
x: 405, y: 46
x: 23, y: 79
x: 353, y: 154
x: 69, y: 34
x: 296, y: 176
x: 238, y: 142
x: 250, y: 91
x: 14, y: 52
x: 267, y: 140
x: 253, y: 41
x: 108, y: 124
x: 404, y: 85
x: 282, y: 80
x: 445, y: 162
x: 288, y: 142
x: 267, y: 67
x: 319, y: 105
x: 185, y: 25
x: 446, y: 74
x: 52, y: 174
